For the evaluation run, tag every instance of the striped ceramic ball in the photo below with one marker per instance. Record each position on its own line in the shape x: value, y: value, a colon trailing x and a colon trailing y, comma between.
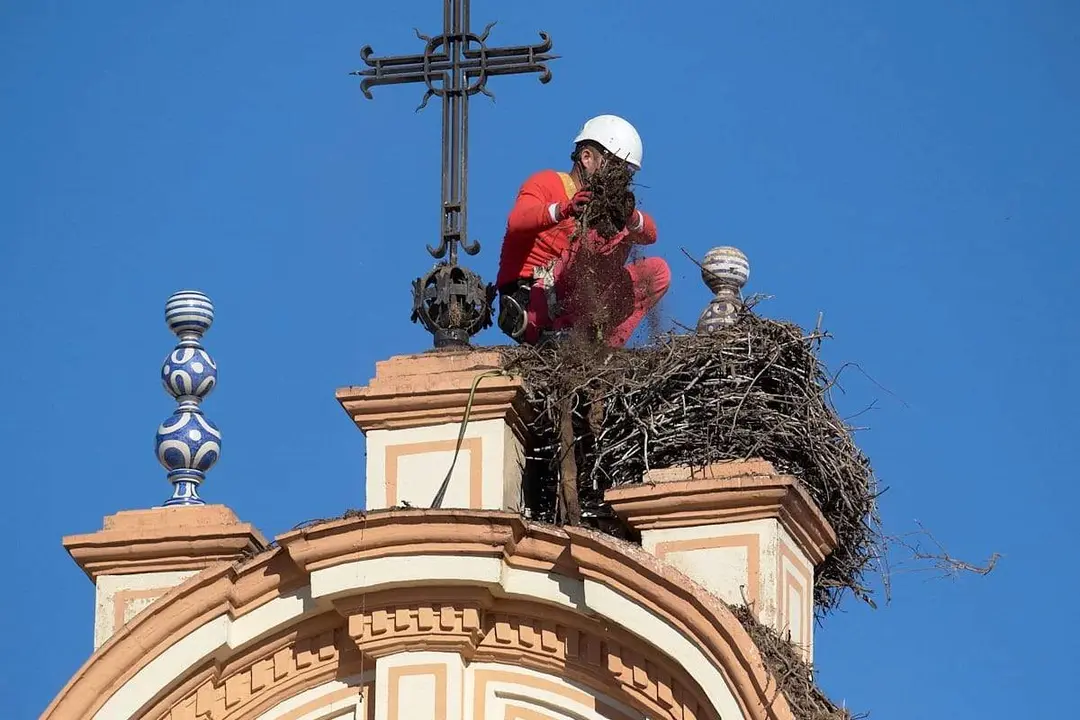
x: 725, y: 266
x: 189, y: 312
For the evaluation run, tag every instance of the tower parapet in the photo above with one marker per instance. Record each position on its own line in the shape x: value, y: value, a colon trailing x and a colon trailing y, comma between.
x: 140, y: 555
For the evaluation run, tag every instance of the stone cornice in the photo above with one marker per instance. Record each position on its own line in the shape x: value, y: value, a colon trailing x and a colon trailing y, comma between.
x: 433, y: 389
x: 485, y: 628
x: 233, y: 592
x: 317, y: 651
x: 725, y: 493
x: 164, y: 539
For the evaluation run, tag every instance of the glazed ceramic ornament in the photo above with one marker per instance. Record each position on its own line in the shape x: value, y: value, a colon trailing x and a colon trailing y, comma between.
x: 725, y: 271
x: 187, y: 443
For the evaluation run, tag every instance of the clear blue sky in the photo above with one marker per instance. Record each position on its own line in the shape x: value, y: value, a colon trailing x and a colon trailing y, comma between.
x: 904, y: 167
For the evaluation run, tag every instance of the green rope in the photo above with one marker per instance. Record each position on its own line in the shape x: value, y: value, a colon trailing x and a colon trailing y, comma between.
x: 437, y: 502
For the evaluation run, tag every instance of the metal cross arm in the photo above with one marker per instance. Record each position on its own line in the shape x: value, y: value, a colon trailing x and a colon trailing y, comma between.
x: 453, y: 66
x: 477, y: 65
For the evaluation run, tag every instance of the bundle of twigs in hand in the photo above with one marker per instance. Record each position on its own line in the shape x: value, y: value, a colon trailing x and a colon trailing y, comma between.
x: 755, y: 389
x: 612, y: 200
x: 793, y: 674
x: 598, y: 302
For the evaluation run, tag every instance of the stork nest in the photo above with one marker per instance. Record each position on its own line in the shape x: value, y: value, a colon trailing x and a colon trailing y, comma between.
x: 755, y: 389
x: 793, y: 674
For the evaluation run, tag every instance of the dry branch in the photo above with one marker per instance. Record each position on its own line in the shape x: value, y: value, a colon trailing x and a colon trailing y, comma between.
x: 935, y: 559
x: 793, y: 674
x: 754, y: 389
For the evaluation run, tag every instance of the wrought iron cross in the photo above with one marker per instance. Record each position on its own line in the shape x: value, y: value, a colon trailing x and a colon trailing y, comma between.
x: 454, y: 66
x: 452, y: 302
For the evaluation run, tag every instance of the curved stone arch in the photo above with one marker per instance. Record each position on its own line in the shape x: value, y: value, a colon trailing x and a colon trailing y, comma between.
x: 283, y: 666
x: 517, y: 692
x: 535, y: 694
x: 216, y: 616
x: 485, y: 630
x: 347, y: 698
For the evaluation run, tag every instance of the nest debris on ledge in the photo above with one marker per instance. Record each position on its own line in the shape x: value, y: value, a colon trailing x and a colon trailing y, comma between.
x: 755, y: 388
x: 793, y: 674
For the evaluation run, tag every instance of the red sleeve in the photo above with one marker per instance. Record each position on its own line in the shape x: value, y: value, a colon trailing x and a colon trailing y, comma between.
x: 531, y: 212
x: 647, y: 234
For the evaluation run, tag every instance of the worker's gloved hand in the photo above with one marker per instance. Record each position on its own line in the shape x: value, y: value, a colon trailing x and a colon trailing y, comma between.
x: 575, y: 205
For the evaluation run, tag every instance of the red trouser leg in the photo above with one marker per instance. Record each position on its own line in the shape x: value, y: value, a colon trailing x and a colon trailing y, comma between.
x: 539, y: 316
x: 649, y: 279
x: 631, y: 291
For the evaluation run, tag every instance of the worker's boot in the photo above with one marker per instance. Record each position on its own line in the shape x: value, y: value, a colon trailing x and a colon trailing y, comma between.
x: 513, y: 318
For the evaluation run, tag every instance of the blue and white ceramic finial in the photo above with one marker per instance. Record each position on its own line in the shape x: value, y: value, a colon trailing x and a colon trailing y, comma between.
x: 187, y: 443
x: 725, y: 270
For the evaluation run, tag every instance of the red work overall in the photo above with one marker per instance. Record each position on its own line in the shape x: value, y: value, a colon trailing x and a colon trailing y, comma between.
x: 538, y: 249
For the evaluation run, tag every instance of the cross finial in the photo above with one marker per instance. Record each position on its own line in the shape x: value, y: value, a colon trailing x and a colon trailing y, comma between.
x: 452, y: 302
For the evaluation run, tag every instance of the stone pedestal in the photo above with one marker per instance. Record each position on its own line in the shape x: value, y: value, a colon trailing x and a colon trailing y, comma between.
x: 412, y: 414
x: 139, y: 555
x: 747, y: 533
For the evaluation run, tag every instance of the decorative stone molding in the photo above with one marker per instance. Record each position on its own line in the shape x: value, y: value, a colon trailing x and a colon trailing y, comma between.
x: 510, y: 634
x: 164, y: 539
x: 315, y: 652
x: 482, y: 628
x: 140, y: 555
x: 746, y: 532
x: 419, y: 683
x: 571, y: 651
x: 343, y: 698
x: 435, y: 626
x: 432, y: 389
x: 510, y: 693
x: 221, y: 621
x: 725, y: 493
x: 411, y: 413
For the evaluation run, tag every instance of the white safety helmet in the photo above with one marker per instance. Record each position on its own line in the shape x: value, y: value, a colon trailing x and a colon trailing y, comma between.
x: 615, y: 135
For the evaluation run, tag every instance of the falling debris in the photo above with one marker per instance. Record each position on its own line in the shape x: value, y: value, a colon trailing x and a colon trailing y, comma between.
x: 755, y: 388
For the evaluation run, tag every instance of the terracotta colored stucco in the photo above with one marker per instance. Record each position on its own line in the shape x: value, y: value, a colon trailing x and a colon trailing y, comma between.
x: 432, y: 389
x: 236, y: 591
x: 724, y: 493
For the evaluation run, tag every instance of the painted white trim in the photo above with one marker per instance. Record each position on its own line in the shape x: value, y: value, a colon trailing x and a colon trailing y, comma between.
x: 301, y: 699
x: 549, y: 587
x: 553, y: 212
x: 368, y: 575
x: 341, y: 710
x: 160, y: 672
x: 276, y: 613
x: 385, y: 572
x: 201, y: 643
x: 504, y: 694
x: 617, y: 608
x: 453, y: 667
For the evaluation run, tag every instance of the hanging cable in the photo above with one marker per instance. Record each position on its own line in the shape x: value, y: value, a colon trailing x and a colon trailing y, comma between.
x: 437, y: 502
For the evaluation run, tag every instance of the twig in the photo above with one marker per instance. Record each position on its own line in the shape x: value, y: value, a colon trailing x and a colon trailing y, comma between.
x: 755, y: 388
x: 940, y: 560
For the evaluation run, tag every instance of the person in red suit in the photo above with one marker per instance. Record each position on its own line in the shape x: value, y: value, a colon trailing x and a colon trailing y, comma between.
x: 541, y: 259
